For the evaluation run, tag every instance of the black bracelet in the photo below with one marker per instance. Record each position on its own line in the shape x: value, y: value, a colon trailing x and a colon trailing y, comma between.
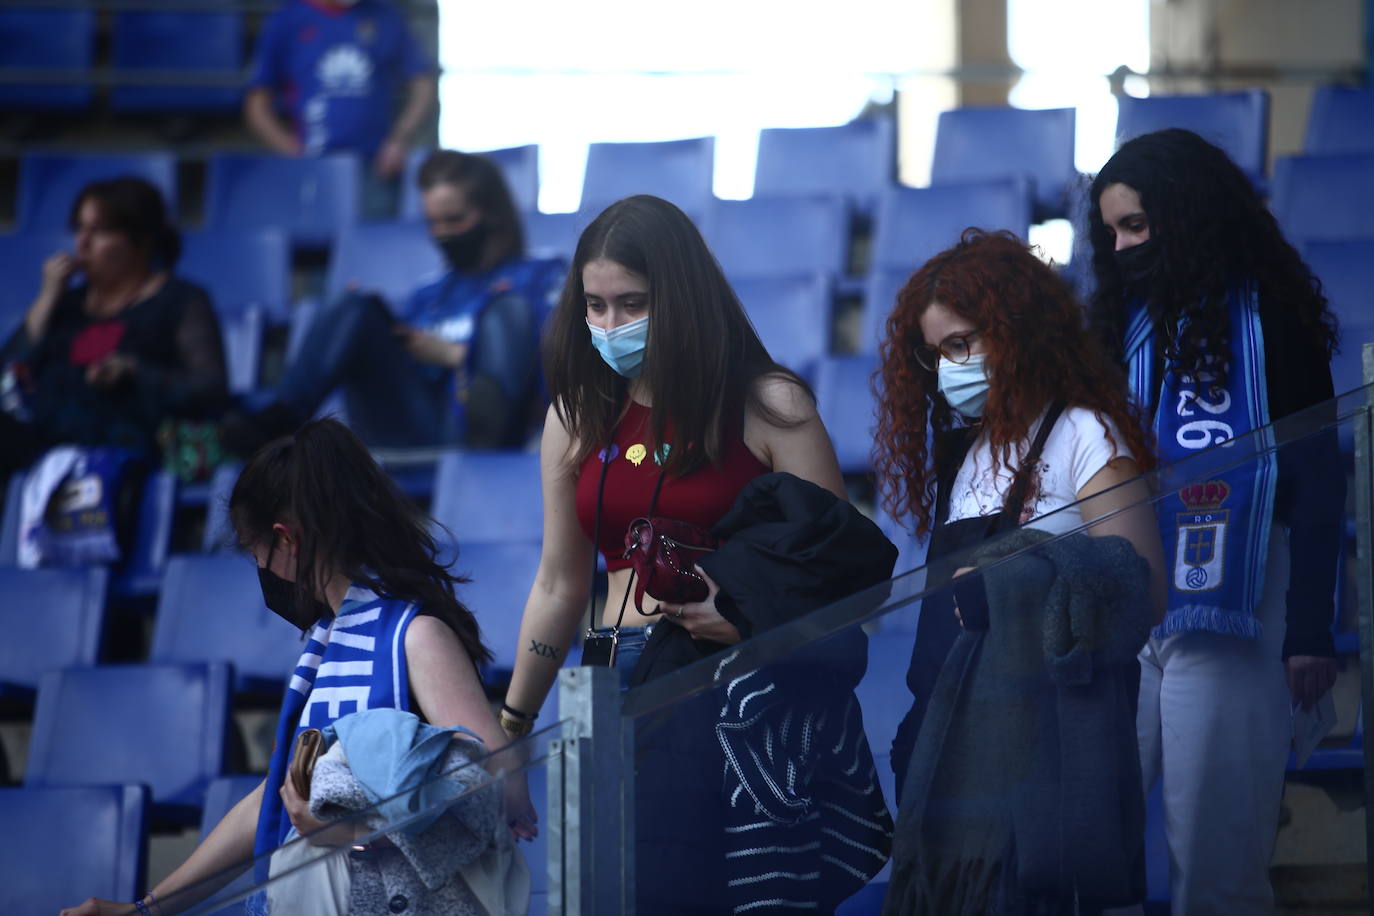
x: 142, y: 908
x: 515, y: 713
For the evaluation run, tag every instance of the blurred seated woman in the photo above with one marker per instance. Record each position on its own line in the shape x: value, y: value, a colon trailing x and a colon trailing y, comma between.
x: 114, y: 344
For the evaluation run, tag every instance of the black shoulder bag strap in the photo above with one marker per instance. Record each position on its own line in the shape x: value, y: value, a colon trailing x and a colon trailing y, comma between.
x: 1016, y: 499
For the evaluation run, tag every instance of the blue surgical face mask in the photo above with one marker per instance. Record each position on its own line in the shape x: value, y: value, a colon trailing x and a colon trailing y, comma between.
x: 964, y: 385
x: 623, y: 348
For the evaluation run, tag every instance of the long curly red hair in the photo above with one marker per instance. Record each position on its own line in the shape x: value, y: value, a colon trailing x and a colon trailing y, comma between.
x: 1037, y: 347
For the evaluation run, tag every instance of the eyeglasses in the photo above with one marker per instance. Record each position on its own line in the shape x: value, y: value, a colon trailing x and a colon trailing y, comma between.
x: 956, y: 348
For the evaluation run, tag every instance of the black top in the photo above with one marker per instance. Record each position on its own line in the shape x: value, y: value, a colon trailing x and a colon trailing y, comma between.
x: 175, y: 338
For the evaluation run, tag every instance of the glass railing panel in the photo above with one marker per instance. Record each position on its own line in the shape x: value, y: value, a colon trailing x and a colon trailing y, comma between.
x: 1063, y: 609
x: 409, y: 843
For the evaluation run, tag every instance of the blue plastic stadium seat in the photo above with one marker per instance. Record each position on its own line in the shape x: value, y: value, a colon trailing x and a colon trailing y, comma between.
x: 914, y: 224
x: 217, y: 536
x: 1346, y: 270
x: 49, y: 182
x: 240, y: 268
x: 779, y: 236
x: 501, y: 574
x: 242, y: 335
x: 1238, y: 122
x: 390, y: 258
x: 67, y: 844
x: 880, y: 297
x: 310, y: 199
x: 977, y: 144
x: 554, y: 235
x: 844, y: 398
x: 211, y: 609
x: 1324, y: 197
x: 21, y: 264
x: 518, y: 164
x: 52, y: 618
x: 61, y: 41
x: 192, y: 44
x: 489, y: 497
x: 791, y: 315
x: 857, y: 160
x: 223, y: 794
x: 1341, y: 120
x: 679, y: 171
x: 163, y: 725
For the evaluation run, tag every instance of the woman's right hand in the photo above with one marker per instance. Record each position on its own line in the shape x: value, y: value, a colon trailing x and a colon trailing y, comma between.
x: 57, y: 269
x: 521, y: 817
x: 94, y: 906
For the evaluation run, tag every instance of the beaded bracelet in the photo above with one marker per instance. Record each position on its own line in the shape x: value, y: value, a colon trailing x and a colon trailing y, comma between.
x: 142, y: 908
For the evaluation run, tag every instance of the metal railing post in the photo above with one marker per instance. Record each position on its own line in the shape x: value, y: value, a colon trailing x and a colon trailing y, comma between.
x: 591, y: 798
x: 1364, y: 554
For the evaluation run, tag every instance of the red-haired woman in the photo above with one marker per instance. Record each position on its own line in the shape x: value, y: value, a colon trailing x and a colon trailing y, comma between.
x: 998, y: 408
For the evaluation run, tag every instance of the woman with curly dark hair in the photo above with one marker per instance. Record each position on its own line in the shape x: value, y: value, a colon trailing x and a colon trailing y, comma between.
x: 1223, y: 330
x: 998, y: 410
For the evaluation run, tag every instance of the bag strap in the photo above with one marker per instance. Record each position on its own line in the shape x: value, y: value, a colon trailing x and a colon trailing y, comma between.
x: 596, y: 539
x: 1016, y: 499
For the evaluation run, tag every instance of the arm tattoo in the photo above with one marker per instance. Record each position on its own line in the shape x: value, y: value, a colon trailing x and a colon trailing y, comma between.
x: 543, y: 648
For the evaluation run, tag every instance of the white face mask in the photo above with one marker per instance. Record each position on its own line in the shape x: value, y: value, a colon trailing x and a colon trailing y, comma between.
x: 964, y: 385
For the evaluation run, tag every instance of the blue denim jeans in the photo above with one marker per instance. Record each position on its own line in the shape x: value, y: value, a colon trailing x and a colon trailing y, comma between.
x: 628, y: 650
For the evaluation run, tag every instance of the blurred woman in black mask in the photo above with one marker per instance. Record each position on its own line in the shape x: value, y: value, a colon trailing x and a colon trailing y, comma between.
x: 458, y: 364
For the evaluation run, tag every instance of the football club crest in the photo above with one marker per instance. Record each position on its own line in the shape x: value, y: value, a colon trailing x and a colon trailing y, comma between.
x: 1201, y: 545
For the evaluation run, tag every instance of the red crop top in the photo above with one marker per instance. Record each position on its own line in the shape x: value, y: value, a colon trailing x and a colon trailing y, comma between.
x: 702, y: 497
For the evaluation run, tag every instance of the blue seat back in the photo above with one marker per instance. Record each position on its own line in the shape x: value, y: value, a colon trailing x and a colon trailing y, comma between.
x: 202, y: 43
x: 1341, y: 120
x: 489, y: 497
x: 880, y: 297
x: 678, y: 170
x: 70, y: 843
x: 844, y: 398
x: 311, y: 199
x: 217, y: 536
x: 519, y: 165
x: 792, y: 316
x: 501, y: 574
x: 857, y: 160
x: 1238, y: 122
x: 52, y: 618
x: 240, y: 268
x: 978, y: 144
x: 391, y: 259
x: 1324, y: 197
x: 1346, y: 269
x: 211, y: 609
x: 779, y: 236
x: 555, y: 235
x: 163, y: 725
x: 915, y: 224
x: 50, y: 182
x: 141, y: 571
x: 21, y: 264
x: 242, y: 335
x: 47, y: 39
x: 222, y: 795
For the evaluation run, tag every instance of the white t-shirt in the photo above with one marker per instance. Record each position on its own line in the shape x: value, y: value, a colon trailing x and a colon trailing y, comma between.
x: 1077, y: 448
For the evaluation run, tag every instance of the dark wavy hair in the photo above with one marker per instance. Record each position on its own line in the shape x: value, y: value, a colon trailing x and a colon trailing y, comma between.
x: 702, y: 356
x: 134, y: 207
x: 485, y: 186
x: 1213, y: 232
x: 1037, y: 350
x: 351, y: 518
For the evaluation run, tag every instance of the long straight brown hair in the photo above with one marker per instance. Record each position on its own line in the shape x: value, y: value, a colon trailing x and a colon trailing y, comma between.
x: 702, y: 356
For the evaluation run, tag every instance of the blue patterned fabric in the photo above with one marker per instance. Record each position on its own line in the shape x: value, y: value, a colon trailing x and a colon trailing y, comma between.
x: 1216, y: 529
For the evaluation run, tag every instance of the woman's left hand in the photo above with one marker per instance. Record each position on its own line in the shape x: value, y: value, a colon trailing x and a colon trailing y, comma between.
x: 1309, y: 678
x: 307, y: 825
x: 700, y: 619
x: 111, y: 370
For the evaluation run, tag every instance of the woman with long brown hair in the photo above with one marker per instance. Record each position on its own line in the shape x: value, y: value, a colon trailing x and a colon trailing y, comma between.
x: 997, y: 410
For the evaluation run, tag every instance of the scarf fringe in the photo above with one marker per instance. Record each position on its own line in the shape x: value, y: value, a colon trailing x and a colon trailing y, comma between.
x: 1212, y: 619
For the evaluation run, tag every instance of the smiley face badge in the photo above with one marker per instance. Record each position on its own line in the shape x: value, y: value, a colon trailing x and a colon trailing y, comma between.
x: 636, y: 454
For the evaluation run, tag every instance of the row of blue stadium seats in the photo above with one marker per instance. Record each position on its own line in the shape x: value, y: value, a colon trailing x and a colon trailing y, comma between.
x: 204, y: 45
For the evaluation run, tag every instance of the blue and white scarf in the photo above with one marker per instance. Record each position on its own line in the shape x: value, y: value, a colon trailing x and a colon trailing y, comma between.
x: 1215, y: 530
x: 353, y: 662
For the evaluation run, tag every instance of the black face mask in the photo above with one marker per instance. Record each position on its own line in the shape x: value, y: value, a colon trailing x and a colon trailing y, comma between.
x: 280, y: 598
x: 463, y: 250
x: 1138, y: 265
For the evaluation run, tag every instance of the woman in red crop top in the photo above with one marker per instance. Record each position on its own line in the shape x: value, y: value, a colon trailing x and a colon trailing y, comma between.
x: 654, y: 370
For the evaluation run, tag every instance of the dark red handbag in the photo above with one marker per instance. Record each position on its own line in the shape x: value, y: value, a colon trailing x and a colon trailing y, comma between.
x: 664, y: 552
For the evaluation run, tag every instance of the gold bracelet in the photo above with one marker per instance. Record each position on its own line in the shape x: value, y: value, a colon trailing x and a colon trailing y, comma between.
x: 516, y: 727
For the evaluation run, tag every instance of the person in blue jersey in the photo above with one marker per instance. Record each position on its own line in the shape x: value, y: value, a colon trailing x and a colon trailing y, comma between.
x: 1223, y: 330
x: 458, y: 365
x: 334, y: 68
x: 346, y: 560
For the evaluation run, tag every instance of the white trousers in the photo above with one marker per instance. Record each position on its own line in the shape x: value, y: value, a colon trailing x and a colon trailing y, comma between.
x: 1215, y: 722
